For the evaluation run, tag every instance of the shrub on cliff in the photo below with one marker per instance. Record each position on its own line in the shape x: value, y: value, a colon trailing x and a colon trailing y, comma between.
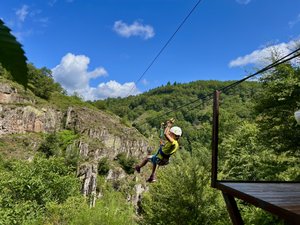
x: 127, y: 163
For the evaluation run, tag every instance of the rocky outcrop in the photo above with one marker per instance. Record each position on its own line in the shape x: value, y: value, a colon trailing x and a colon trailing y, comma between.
x: 88, y: 174
x: 21, y: 119
x: 101, y: 134
x: 99, y: 126
x: 9, y: 94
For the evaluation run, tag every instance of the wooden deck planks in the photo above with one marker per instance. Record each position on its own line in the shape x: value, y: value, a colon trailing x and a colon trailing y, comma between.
x: 281, y: 199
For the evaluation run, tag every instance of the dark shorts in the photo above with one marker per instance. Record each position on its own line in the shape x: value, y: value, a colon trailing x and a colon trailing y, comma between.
x: 154, y: 159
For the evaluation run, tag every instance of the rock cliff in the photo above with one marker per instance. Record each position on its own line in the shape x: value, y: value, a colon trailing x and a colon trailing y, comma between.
x: 101, y: 134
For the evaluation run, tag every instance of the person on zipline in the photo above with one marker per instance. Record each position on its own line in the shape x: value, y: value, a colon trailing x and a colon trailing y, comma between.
x: 161, y: 157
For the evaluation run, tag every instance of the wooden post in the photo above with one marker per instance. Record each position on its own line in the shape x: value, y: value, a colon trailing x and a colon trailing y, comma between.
x: 215, y: 139
x: 233, y: 210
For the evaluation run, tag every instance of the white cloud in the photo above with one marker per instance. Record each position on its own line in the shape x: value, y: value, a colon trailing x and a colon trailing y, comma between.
x: 72, y: 73
x: 263, y: 56
x: 22, y: 13
x: 114, y: 89
x: 294, y: 22
x: 135, y: 29
x: 28, y: 14
x: 244, y: 2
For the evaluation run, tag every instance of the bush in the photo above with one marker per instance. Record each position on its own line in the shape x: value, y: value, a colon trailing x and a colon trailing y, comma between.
x: 103, y: 166
x: 55, y: 144
x: 112, y: 209
x: 41, y: 83
x: 182, y: 195
x: 50, y: 146
x: 27, y: 187
x: 127, y: 163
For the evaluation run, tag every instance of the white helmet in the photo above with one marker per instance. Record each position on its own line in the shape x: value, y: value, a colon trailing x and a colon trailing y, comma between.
x: 176, y: 130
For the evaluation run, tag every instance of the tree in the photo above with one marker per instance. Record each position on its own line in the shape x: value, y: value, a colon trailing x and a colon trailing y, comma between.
x: 183, y: 195
x: 12, y: 56
x: 276, y: 104
x: 41, y: 83
x: 27, y: 187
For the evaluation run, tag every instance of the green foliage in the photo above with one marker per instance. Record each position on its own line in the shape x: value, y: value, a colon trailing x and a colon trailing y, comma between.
x: 5, y: 74
x: 63, y: 101
x: 50, y: 146
x: 26, y: 188
x: 257, y: 135
x: 46, y: 191
x: 148, y: 110
x: 12, y: 56
x: 254, y: 215
x: 103, y: 166
x: 241, y: 157
x: 66, y: 138
x: 258, y: 141
x: 100, y: 104
x: 111, y: 209
x: 182, y: 195
x: 276, y: 104
x: 41, y: 83
x: 65, y: 212
x: 126, y: 162
x: 56, y: 144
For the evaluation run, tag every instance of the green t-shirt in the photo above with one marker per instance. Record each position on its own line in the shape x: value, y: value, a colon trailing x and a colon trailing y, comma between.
x: 169, y: 148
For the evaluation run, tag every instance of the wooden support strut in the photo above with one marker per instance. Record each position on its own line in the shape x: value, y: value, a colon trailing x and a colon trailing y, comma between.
x: 233, y: 210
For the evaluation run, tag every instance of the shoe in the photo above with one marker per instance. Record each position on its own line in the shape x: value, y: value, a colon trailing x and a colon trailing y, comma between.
x: 151, y: 179
x: 138, y: 169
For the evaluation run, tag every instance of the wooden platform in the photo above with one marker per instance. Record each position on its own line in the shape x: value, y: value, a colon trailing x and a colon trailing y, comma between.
x: 281, y: 199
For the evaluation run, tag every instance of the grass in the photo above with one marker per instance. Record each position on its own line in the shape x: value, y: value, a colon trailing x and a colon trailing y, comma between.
x: 19, y: 146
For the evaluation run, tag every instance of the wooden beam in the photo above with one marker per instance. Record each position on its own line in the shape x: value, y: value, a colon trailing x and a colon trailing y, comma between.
x: 233, y: 210
x: 281, y: 199
x: 215, y: 139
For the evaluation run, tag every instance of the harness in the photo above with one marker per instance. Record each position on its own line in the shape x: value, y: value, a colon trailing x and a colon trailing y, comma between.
x: 164, y: 155
x: 165, y: 159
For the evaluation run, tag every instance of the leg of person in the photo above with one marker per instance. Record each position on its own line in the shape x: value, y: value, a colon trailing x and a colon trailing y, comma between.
x: 152, y: 176
x: 143, y: 163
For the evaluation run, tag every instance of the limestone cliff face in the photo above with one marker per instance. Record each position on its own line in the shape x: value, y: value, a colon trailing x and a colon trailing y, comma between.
x: 21, y: 119
x: 19, y: 115
x: 9, y: 94
x: 102, y: 135
x: 99, y: 126
x: 106, y: 137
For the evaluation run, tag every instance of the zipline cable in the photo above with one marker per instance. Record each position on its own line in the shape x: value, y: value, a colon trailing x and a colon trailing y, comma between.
x: 167, y: 43
x: 272, y: 65
x: 228, y: 87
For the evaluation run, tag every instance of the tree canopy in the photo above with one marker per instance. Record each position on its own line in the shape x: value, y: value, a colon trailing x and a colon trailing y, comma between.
x: 12, y: 56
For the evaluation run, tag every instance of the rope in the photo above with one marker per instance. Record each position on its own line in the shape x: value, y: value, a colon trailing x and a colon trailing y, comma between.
x: 282, y: 60
x: 167, y: 43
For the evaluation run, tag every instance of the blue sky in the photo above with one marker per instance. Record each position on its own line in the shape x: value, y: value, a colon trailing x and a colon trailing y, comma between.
x: 100, y: 48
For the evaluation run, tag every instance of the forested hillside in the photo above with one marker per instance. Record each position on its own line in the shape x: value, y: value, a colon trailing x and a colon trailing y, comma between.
x: 66, y: 161
x: 41, y: 181
x: 148, y: 110
x: 259, y: 140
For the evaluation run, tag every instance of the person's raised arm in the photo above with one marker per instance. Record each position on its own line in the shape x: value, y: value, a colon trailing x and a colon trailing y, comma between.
x: 167, y: 132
